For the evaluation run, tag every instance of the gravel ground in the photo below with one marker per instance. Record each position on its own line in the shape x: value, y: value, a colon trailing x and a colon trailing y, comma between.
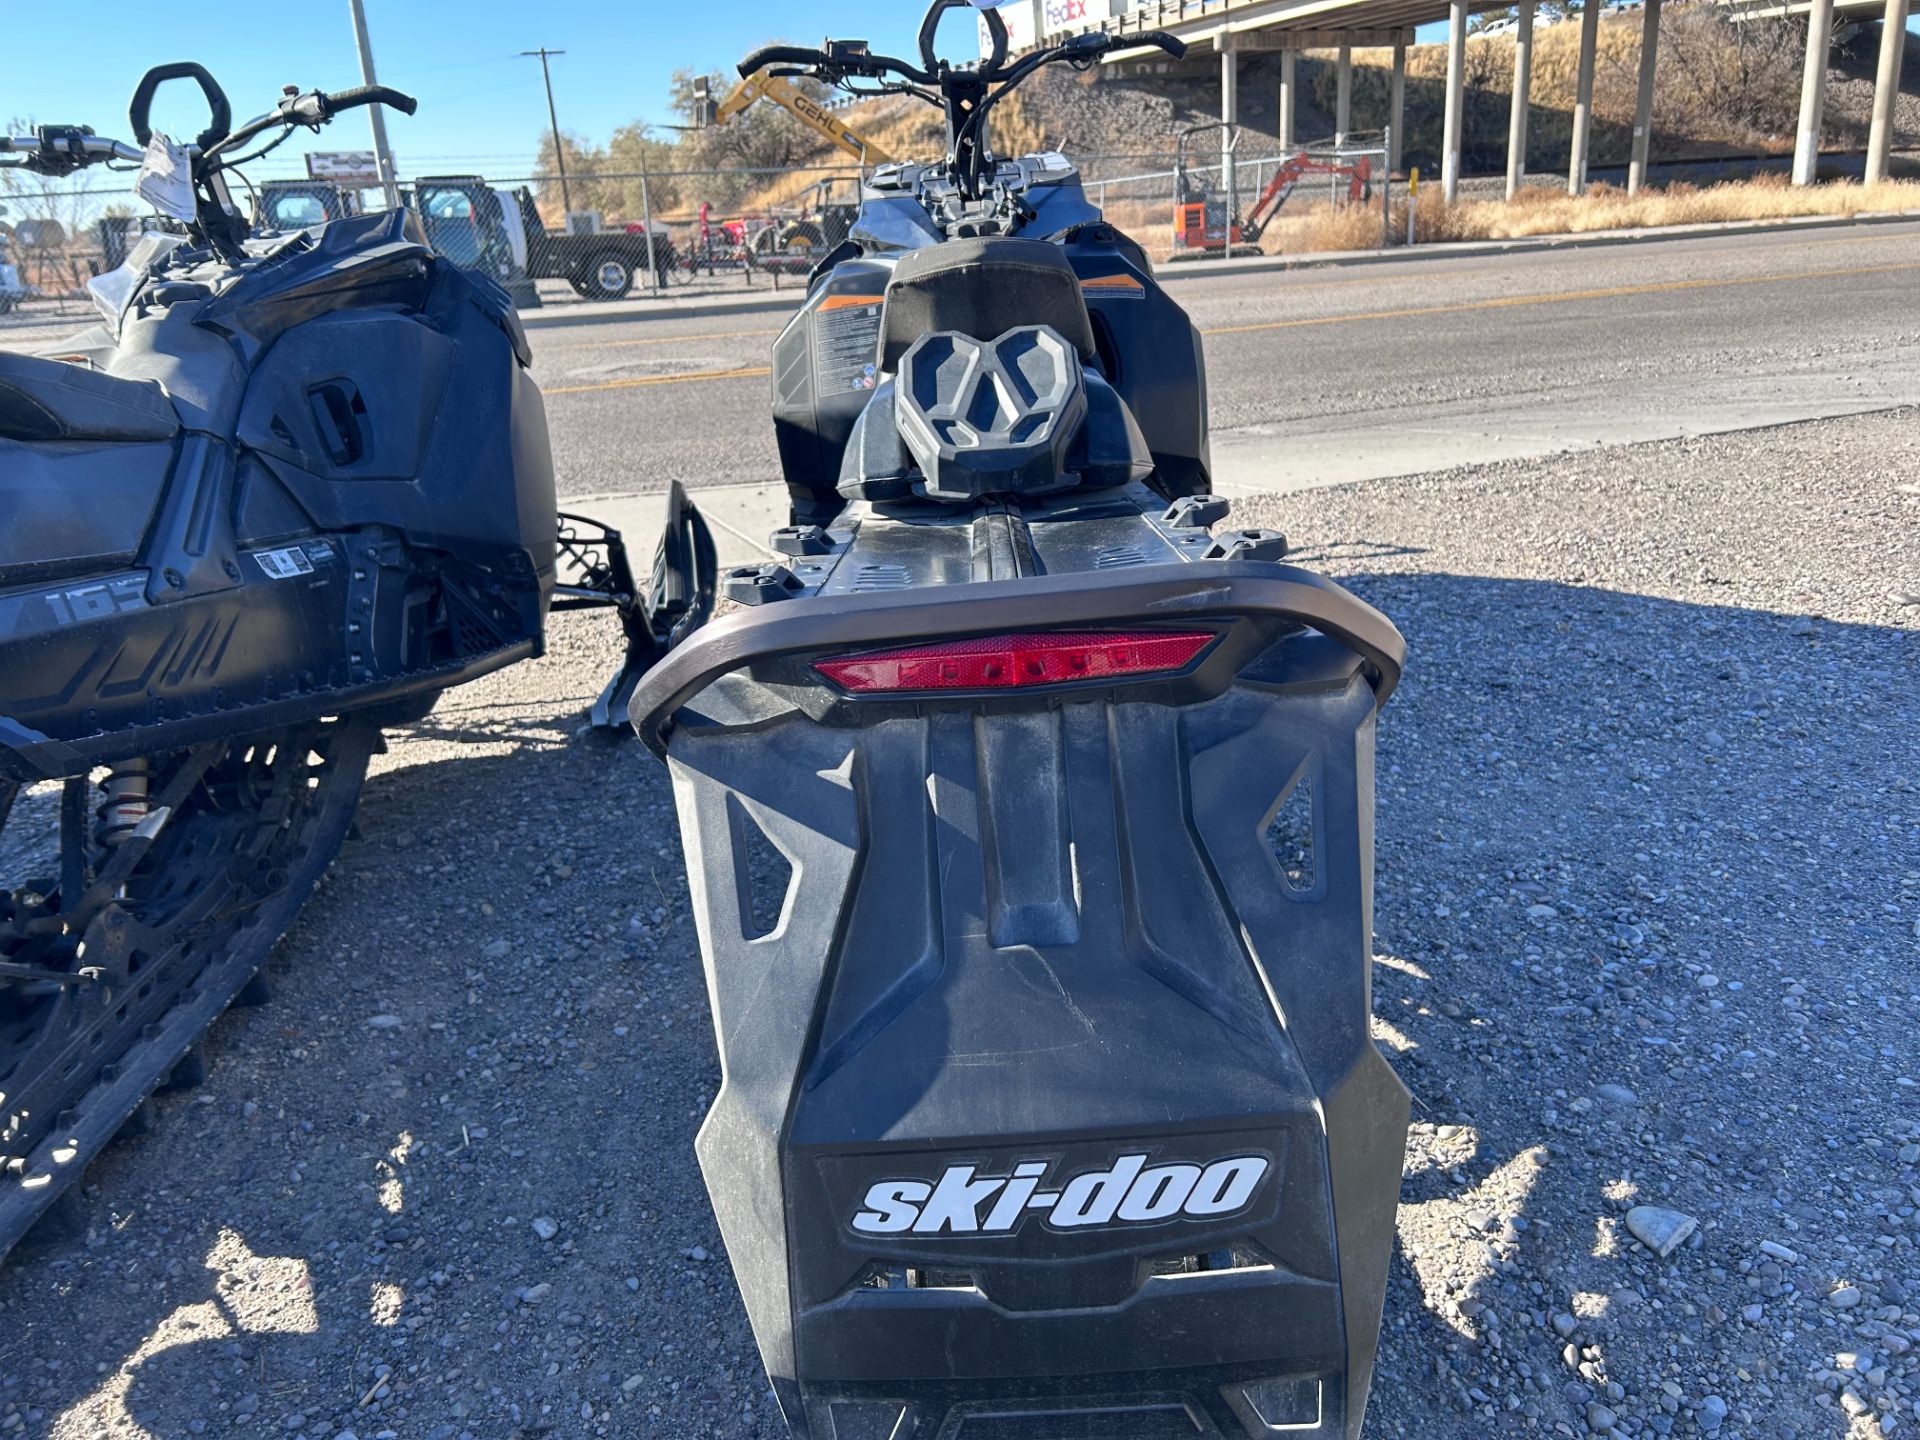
x: 1649, y: 880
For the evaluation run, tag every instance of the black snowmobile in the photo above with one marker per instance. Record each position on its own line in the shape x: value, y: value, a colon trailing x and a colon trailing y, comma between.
x: 1028, y: 814
x: 288, y: 491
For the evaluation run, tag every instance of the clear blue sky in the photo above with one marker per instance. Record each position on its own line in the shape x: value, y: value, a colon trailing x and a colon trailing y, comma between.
x: 481, y: 107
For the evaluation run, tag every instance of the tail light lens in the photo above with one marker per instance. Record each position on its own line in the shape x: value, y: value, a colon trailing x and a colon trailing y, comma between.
x: 1016, y: 662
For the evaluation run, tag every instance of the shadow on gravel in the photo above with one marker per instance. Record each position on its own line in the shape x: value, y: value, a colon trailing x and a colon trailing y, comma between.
x: 1648, y: 882
x: 1647, y: 877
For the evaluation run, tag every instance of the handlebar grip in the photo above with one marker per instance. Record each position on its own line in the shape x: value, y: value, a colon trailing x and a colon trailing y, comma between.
x: 1172, y: 44
x: 142, y: 106
x: 780, y: 55
x: 372, y: 95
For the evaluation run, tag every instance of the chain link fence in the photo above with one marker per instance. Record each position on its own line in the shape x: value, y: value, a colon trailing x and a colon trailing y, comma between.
x: 636, y: 234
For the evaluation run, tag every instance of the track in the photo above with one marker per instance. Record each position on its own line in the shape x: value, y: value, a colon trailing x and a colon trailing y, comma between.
x: 114, y: 960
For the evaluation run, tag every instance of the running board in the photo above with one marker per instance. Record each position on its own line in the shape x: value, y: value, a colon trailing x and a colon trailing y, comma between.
x: 676, y: 600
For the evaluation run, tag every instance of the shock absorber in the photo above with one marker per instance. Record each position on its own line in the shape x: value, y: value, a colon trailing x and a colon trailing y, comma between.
x: 126, y: 805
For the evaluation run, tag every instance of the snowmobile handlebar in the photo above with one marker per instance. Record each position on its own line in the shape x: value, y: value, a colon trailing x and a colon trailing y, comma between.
x: 851, y: 59
x: 316, y: 108
x: 966, y: 93
x: 780, y: 55
x: 61, y: 149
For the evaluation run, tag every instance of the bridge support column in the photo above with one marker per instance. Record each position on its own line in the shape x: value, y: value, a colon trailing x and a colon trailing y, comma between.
x: 1343, y: 95
x: 1813, y: 92
x: 1886, y: 90
x: 1522, y: 99
x: 1643, y: 105
x: 1397, y: 106
x: 1583, y: 98
x: 1451, y: 139
x: 1229, y: 103
x: 1289, y: 72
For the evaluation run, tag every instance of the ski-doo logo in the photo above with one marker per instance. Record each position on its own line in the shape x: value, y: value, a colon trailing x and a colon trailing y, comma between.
x: 1128, y: 1192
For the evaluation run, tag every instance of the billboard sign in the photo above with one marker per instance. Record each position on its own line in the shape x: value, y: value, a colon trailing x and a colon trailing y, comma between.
x: 344, y: 167
x: 1071, y: 15
x: 1023, y: 26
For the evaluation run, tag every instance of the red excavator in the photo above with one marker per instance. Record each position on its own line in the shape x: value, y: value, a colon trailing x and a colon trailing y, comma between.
x: 1203, y: 221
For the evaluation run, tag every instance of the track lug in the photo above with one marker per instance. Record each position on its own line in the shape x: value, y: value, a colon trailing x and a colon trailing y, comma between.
x: 64, y: 1222
x: 188, y: 1072
x: 256, y: 992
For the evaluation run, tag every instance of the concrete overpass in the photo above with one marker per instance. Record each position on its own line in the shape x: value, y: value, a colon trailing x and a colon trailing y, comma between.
x: 1236, y: 27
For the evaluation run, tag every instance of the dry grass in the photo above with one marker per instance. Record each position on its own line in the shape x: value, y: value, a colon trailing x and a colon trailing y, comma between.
x: 1542, y: 211
x: 906, y: 130
x: 1539, y: 210
x: 1330, y: 227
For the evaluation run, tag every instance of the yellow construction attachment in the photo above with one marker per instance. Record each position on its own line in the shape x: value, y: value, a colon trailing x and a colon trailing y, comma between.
x: 809, y: 111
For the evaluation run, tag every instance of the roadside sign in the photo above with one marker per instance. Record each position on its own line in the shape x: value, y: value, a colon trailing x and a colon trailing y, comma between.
x: 344, y: 166
x: 1023, y: 26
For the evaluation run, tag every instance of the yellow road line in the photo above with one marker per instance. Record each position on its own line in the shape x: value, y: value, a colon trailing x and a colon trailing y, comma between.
x: 1563, y: 297
x: 747, y: 373
x: 658, y: 340
x: 1501, y: 302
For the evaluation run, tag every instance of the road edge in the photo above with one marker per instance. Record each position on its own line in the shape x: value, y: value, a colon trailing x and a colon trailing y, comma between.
x: 785, y: 302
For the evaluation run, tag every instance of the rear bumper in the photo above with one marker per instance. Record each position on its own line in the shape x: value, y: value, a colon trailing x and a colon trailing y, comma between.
x: 1046, y: 939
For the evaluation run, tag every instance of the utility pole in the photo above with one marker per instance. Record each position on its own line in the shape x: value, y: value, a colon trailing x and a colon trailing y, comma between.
x: 559, y: 152
x: 376, y: 115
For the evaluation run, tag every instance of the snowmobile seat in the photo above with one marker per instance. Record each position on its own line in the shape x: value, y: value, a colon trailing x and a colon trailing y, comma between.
x: 983, y: 288
x: 52, y: 400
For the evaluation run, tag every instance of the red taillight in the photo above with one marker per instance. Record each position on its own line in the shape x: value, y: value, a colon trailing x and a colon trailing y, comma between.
x: 1013, y: 662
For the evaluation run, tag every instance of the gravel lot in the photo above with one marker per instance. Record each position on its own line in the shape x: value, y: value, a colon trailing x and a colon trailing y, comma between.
x: 1649, y: 879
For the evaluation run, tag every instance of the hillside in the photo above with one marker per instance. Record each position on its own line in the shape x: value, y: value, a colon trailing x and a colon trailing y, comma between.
x: 1722, y: 90
x: 1726, y: 94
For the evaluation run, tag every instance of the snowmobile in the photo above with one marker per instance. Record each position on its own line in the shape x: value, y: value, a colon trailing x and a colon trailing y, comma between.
x: 1028, y: 808
x: 287, y: 491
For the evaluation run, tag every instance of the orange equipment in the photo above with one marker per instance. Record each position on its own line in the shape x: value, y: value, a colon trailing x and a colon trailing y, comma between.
x: 1200, y: 217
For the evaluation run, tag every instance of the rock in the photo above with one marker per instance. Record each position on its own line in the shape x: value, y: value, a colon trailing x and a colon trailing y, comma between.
x: 1707, y: 982
x: 1802, y: 625
x: 696, y: 1252
x: 1600, y: 1419
x: 1661, y: 1230
x: 1845, y: 1298
x: 384, y: 1022
x: 1779, y: 1252
x: 1617, y: 1095
x: 1542, y: 912
x: 1564, y: 1325
x: 1713, y: 1413
x: 497, y: 950
x: 545, y: 1227
x: 1754, y: 1314
x: 534, y: 1294
x: 1903, y: 598
x: 632, y: 1383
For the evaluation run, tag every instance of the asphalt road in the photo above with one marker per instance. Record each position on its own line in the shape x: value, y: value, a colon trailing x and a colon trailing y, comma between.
x: 1358, y: 373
